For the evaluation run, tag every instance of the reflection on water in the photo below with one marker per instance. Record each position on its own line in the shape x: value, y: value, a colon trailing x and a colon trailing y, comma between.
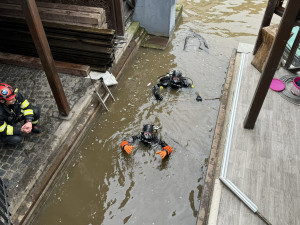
x: 224, y: 18
x: 104, y: 185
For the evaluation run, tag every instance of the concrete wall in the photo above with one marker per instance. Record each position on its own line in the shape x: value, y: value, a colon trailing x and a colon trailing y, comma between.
x: 156, y: 16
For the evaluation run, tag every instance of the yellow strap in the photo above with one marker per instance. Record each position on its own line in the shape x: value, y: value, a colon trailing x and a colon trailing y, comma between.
x: 10, y: 130
x: 35, y: 122
x: 28, y: 112
x: 24, y: 104
x: 2, y: 128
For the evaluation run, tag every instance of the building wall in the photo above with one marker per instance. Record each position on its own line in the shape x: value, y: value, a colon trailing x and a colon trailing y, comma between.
x: 156, y: 16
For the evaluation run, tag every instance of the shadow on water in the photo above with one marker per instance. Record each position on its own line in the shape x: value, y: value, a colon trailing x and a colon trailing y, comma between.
x: 104, y: 185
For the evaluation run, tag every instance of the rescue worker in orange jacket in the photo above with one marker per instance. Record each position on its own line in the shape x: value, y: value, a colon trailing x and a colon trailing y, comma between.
x: 14, y: 108
x: 147, y: 136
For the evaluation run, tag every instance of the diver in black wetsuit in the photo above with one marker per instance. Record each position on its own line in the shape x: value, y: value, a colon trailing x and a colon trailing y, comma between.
x: 174, y: 80
x: 147, y: 136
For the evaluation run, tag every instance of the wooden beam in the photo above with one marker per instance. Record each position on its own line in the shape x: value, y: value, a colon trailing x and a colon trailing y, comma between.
x: 53, y: 14
x: 119, y: 14
x: 39, y: 37
x: 285, y: 27
x: 112, y: 16
x: 265, y: 22
x: 59, y: 6
x: 268, y: 36
x: 33, y: 62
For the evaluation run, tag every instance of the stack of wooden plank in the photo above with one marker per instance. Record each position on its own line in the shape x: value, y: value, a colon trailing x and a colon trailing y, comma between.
x: 75, y: 33
x: 59, y: 13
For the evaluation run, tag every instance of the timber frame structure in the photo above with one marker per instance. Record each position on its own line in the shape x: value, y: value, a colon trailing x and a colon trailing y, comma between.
x: 119, y: 12
x: 289, y: 19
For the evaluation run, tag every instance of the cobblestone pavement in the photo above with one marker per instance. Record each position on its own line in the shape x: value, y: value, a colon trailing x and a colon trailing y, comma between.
x: 26, y: 159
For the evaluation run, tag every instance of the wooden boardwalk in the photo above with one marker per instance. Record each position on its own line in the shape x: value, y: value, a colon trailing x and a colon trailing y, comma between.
x: 264, y: 163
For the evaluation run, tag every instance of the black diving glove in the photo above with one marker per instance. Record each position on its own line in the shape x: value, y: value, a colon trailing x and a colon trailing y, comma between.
x: 158, y: 97
x: 198, y: 98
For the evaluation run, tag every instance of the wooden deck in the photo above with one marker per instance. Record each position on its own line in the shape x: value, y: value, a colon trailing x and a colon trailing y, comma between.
x: 264, y: 163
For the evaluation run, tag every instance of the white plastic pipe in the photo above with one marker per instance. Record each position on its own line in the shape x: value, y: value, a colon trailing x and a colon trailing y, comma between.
x: 223, y: 174
x: 232, y: 118
x: 239, y: 194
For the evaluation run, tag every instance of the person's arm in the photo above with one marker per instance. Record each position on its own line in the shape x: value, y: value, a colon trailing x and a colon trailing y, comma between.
x: 27, y: 111
x: 127, y: 145
x: 25, y: 107
x: 6, y: 129
x: 186, y: 83
x: 166, y: 149
x: 163, y: 82
x: 156, y: 91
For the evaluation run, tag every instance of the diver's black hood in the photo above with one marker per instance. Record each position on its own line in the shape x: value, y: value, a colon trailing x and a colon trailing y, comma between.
x: 147, y: 134
x: 176, y: 80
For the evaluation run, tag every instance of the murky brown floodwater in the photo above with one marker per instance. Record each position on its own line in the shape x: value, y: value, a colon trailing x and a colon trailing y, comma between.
x: 106, y: 186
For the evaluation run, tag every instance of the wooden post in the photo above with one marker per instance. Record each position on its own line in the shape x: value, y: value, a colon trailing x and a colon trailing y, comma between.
x: 41, y: 44
x: 120, y: 17
x: 293, y: 51
x: 118, y: 14
x: 265, y: 22
x: 285, y: 27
